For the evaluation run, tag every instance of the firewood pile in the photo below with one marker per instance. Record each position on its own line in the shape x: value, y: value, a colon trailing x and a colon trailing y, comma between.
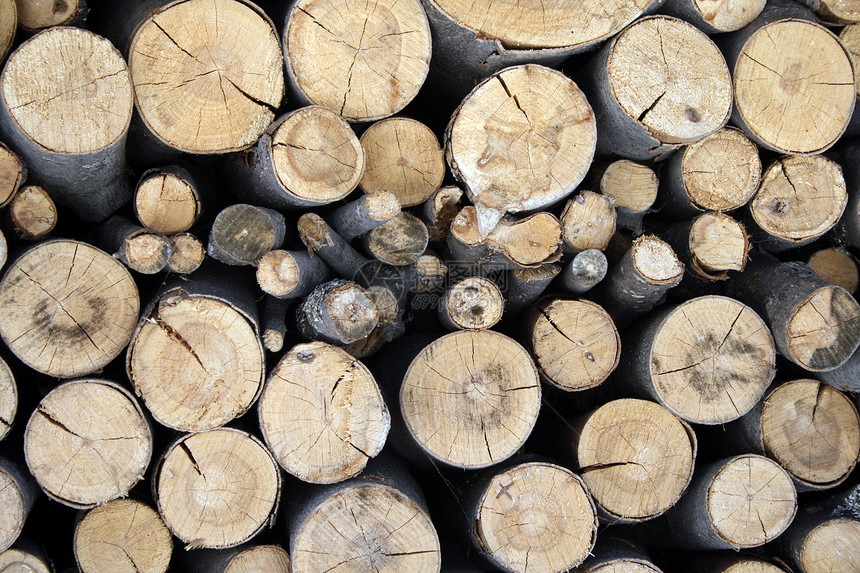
x: 429, y: 285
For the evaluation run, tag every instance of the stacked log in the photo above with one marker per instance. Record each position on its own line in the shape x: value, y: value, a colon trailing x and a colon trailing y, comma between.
x: 500, y: 285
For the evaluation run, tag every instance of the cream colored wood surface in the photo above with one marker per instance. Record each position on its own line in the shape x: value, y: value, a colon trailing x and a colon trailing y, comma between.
x: 207, y: 74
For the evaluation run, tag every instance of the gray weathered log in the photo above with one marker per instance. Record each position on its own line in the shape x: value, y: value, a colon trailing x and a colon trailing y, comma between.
x: 815, y: 324
x: 584, y: 272
x: 364, y: 214
x: 242, y: 234
x: 338, y: 312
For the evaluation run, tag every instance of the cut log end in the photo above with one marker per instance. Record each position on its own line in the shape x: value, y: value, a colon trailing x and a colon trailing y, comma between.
x: 489, y: 379
x: 339, y: 312
x: 17, y: 560
x: 316, y: 155
x: 632, y: 185
x: 430, y: 273
x: 269, y: 558
x: 794, y: 87
x: 751, y: 485
x: 722, y: 171
x: 335, y: 50
x: 8, y: 25
x: 322, y: 414
x: 711, y: 360
x: 41, y: 86
x: 718, y: 244
x: 242, y: 233
x: 728, y: 16
x: 588, y: 222
x: 33, y: 212
x: 147, y: 253
x: 273, y: 340
x: 191, y: 342
x: 813, y: 431
x: 800, y: 199
x: 313, y: 231
x: 166, y: 203
x: 187, y: 255
x: 353, y: 313
x: 625, y: 566
x: 12, y: 174
x: 125, y: 536
x: 744, y: 564
x: 527, y: 242
x: 371, y: 526
x: 87, y: 443
x: 440, y: 210
x: 575, y: 343
x: 222, y: 468
x: 362, y: 215
x: 382, y: 205
x: 399, y: 241
x: 13, y: 498
x: 8, y: 399
x: 838, y: 11
x: 91, y: 326
x: 686, y: 97
x: 585, y: 271
x: 236, y: 104
x: 536, y: 516
x: 850, y: 37
x: 572, y: 25
x: 404, y: 157
x: 836, y: 266
x: 648, y: 269
x: 278, y: 273
x: 35, y: 15
x: 386, y: 303
x: 636, y: 458
x: 824, y: 330
x: 655, y: 261
x: 834, y: 545
x: 473, y: 303
x: 524, y: 138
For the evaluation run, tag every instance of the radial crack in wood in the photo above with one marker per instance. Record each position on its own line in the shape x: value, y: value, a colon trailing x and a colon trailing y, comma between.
x: 800, y: 199
x: 636, y: 458
x: 87, y: 443
x: 710, y: 359
x: 812, y: 430
x: 208, y: 74
x: 66, y: 102
x: 322, y: 414
x: 575, y: 343
x: 659, y: 84
x: 217, y: 488
x: 534, y: 517
x: 793, y: 85
x: 68, y: 308
x: 364, y: 60
x: 543, y: 25
x: 123, y: 536
x: 488, y: 389
x: 524, y: 138
x: 404, y: 157
x: 196, y: 361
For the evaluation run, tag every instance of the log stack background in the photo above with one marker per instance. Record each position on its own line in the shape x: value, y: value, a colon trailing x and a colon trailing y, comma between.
x: 429, y: 285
